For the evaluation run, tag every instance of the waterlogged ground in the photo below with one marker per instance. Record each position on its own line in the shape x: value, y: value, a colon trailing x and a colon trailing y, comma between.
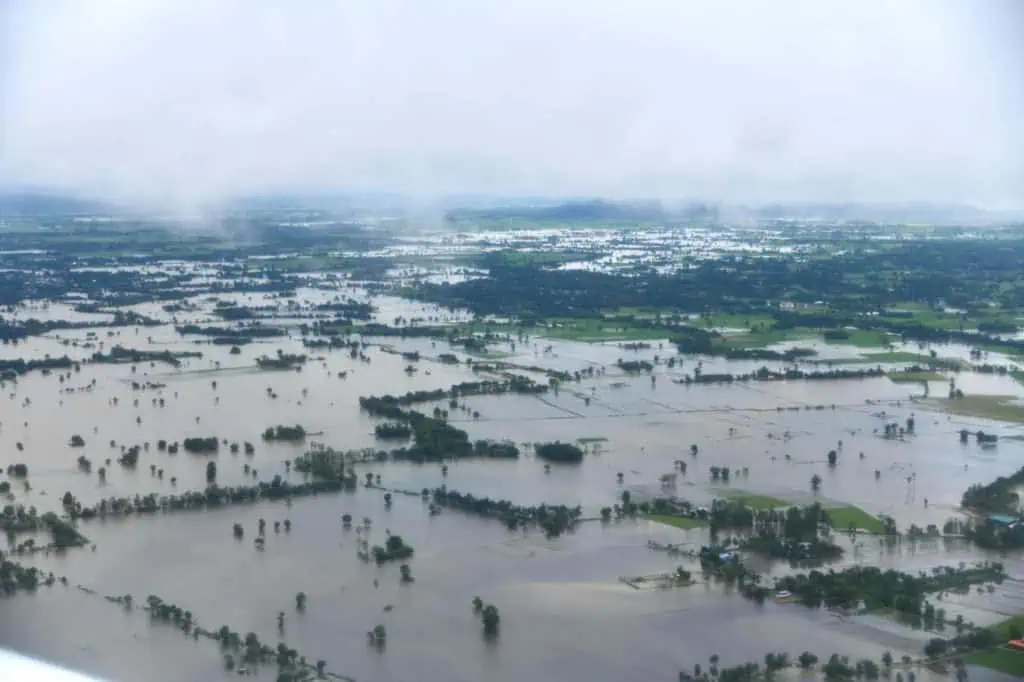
x: 564, y: 613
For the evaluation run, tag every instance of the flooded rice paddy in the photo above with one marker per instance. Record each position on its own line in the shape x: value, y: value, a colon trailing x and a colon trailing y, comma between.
x: 565, y: 615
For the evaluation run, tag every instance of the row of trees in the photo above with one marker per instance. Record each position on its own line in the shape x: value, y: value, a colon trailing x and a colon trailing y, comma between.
x: 553, y: 519
x: 558, y: 452
x: 213, y: 496
x: 285, y: 433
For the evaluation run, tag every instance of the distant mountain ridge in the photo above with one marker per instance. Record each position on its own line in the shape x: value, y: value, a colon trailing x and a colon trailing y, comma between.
x: 40, y: 202
x: 43, y: 202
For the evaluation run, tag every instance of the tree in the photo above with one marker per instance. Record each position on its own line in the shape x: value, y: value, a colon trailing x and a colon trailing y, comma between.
x: 887, y: 659
x: 478, y: 604
x: 936, y: 646
x: 807, y: 660
x: 211, y: 472
x: 491, y: 619
x: 300, y: 601
x: 832, y: 457
x: 237, y: 530
x: 868, y: 669
x: 1014, y: 631
x: 406, y: 573
x: 815, y: 482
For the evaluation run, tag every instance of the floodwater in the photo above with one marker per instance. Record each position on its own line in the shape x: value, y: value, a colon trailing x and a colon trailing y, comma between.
x: 564, y: 613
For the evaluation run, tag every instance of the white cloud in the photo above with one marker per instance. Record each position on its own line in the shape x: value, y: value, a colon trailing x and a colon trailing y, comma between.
x: 194, y: 101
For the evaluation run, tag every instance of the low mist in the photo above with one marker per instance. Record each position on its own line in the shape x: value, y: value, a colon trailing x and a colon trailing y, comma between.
x: 189, y: 104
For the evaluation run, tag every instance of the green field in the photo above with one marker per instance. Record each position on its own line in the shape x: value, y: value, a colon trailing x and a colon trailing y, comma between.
x: 595, y: 329
x: 731, y: 321
x: 842, y: 517
x: 677, y: 521
x: 754, y: 500
x: 760, y: 339
x: 863, y: 338
x: 897, y: 356
x: 1004, y: 660
x: 999, y: 407
x: 914, y: 377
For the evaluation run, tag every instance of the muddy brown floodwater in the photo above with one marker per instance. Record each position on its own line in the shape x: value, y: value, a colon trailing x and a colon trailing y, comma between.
x: 564, y: 614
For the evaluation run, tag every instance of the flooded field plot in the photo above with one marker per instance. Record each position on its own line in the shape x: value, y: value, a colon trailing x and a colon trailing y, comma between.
x: 323, y: 477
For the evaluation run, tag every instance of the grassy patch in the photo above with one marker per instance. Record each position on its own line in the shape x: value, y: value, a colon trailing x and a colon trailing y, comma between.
x: 754, y: 500
x: 1004, y: 660
x: 677, y: 521
x: 842, y: 517
x: 768, y: 337
x: 907, y: 377
x: 732, y: 321
x: 1002, y: 628
x: 490, y: 354
x: 863, y: 338
x: 897, y: 356
x: 593, y: 329
x: 998, y: 407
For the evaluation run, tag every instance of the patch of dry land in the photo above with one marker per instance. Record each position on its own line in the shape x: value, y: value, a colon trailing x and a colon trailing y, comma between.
x: 1001, y: 407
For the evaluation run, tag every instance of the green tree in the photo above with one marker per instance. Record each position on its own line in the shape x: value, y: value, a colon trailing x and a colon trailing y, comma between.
x: 300, y: 601
x: 807, y: 660
x: 491, y: 619
x: 935, y: 647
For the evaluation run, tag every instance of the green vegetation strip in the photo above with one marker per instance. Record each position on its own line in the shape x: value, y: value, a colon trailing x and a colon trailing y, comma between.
x: 683, y: 522
x: 754, y: 500
x: 843, y: 517
x: 1009, y: 661
x: 999, y: 407
x: 914, y: 377
x: 864, y: 338
x: 590, y: 329
x: 896, y: 356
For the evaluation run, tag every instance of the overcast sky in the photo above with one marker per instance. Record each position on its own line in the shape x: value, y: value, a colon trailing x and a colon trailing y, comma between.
x: 193, y: 101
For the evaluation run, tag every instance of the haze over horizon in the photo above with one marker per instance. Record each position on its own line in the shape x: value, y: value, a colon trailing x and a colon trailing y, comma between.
x: 189, y: 104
